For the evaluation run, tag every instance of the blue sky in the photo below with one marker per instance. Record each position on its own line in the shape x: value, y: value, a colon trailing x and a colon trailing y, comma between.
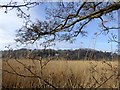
x: 9, y: 23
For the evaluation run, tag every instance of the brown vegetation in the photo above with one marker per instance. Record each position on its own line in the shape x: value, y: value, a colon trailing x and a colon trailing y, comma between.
x: 59, y: 74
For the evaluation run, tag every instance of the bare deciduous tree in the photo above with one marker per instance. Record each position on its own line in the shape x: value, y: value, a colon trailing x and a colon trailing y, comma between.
x: 66, y: 20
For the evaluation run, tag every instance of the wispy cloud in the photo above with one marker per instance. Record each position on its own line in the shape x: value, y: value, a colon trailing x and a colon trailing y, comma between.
x: 9, y: 23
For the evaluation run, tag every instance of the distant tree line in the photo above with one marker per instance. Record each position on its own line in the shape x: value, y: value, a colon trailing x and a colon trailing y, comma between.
x: 78, y: 54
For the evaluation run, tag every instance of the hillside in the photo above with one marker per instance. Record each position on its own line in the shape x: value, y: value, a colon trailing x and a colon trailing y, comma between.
x: 78, y: 54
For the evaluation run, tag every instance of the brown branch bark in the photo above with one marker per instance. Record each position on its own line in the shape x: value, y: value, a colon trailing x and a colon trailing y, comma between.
x: 95, y: 14
x: 16, y: 6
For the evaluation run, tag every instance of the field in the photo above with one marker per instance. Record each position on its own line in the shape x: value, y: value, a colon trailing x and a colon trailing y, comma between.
x: 0, y: 73
x: 59, y: 74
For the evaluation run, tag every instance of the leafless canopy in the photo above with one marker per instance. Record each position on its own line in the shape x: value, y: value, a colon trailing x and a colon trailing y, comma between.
x: 19, y: 6
x: 66, y: 20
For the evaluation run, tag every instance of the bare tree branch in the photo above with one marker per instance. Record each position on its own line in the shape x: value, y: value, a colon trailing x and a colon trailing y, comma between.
x: 64, y: 20
x: 19, y: 7
x: 34, y: 75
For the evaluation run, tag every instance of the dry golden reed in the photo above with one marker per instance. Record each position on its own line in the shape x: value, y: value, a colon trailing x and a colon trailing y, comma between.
x: 61, y: 74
